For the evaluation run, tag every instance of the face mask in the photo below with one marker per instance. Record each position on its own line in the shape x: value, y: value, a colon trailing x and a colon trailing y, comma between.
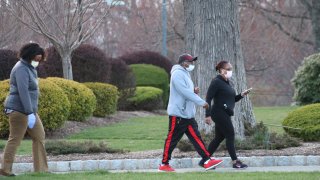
x: 190, y: 68
x: 229, y: 74
x: 34, y: 63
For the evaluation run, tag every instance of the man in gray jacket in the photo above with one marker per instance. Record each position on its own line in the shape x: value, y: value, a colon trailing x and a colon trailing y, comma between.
x: 181, y: 111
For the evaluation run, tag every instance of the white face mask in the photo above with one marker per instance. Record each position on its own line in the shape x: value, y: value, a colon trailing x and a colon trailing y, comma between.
x: 35, y: 63
x: 229, y: 74
x: 190, y: 68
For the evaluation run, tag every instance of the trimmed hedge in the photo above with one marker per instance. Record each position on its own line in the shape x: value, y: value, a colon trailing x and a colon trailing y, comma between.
x: 4, y: 124
x: 150, y: 75
x: 89, y: 64
x: 107, y: 98
x: 54, y: 106
x: 59, y: 147
x: 146, y: 98
x: 307, y: 81
x: 123, y: 77
x: 307, y: 118
x: 8, y: 59
x: 148, y: 57
x: 82, y: 100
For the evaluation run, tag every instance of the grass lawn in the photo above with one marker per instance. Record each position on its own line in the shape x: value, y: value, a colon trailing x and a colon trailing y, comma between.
x: 191, y: 176
x: 149, y: 133
x: 135, y: 135
x: 25, y: 147
x: 272, y: 115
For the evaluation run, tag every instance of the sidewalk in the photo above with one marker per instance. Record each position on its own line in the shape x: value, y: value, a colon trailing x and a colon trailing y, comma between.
x: 231, y: 170
x: 255, y: 163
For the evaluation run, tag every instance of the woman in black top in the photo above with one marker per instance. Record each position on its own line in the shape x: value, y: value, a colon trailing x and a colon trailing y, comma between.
x: 224, y: 97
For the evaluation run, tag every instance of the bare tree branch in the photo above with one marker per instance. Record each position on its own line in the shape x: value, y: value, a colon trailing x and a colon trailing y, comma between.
x: 78, y: 22
x: 274, y: 11
x: 266, y: 13
x: 282, y: 29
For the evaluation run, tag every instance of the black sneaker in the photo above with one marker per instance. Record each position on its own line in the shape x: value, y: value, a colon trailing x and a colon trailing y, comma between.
x: 239, y: 165
x: 2, y: 173
x: 201, y: 163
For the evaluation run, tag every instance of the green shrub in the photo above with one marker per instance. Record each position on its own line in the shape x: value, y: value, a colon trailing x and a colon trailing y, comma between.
x: 307, y: 81
x: 122, y: 77
x: 82, y: 100
x: 150, y: 75
x: 258, y: 138
x: 146, y: 98
x: 282, y: 141
x: 59, y: 147
x: 54, y: 106
x: 4, y: 125
x: 107, y: 98
x: 124, y: 95
x: 307, y: 120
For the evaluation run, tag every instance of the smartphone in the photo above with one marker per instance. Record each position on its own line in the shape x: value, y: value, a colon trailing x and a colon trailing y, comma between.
x: 248, y: 90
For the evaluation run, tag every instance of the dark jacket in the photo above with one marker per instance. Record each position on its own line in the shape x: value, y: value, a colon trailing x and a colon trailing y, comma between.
x: 24, y: 91
x: 223, y: 95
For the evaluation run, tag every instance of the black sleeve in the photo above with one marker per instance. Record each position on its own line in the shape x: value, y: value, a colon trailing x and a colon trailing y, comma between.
x: 238, y: 97
x: 210, y: 94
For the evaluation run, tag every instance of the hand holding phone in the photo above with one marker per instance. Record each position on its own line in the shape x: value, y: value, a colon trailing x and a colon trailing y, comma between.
x: 246, y: 92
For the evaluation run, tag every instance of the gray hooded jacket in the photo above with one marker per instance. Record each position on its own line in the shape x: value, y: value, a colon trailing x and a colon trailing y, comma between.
x: 24, y: 92
x: 182, y: 98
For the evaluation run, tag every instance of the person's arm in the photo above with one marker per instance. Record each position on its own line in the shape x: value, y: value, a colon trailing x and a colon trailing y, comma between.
x: 241, y: 95
x: 212, y: 90
x: 22, y: 80
x: 238, y: 97
x: 178, y: 82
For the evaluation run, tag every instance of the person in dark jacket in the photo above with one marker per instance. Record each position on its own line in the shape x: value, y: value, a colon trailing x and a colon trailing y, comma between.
x: 21, y: 105
x: 224, y: 97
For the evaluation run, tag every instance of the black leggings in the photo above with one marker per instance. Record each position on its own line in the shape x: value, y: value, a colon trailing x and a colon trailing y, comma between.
x: 223, y: 130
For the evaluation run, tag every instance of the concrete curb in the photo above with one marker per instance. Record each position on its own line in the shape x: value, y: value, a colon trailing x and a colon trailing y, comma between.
x: 145, y: 164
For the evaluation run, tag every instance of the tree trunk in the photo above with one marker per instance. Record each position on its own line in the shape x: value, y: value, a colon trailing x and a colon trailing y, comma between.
x: 212, y: 34
x: 66, y: 65
x: 315, y: 21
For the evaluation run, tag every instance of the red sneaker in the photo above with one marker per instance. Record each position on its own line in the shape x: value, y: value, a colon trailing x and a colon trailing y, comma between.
x: 212, y: 163
x: 165, y: 168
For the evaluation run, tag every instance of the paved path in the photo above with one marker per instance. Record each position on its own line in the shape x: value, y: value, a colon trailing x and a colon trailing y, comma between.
x: 256, y: 164
x: 224, y: 170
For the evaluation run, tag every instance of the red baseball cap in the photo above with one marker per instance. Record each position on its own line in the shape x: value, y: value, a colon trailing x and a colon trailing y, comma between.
x: 186, y: 57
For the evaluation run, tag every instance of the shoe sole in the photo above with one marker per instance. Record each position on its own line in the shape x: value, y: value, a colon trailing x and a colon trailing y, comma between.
x: 164, y: 171
x: 213, y: 166
x: 240, y: 168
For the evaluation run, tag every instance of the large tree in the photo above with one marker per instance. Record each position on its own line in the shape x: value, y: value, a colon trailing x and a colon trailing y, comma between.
x: 212, y: 34
x: 66, y: 24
